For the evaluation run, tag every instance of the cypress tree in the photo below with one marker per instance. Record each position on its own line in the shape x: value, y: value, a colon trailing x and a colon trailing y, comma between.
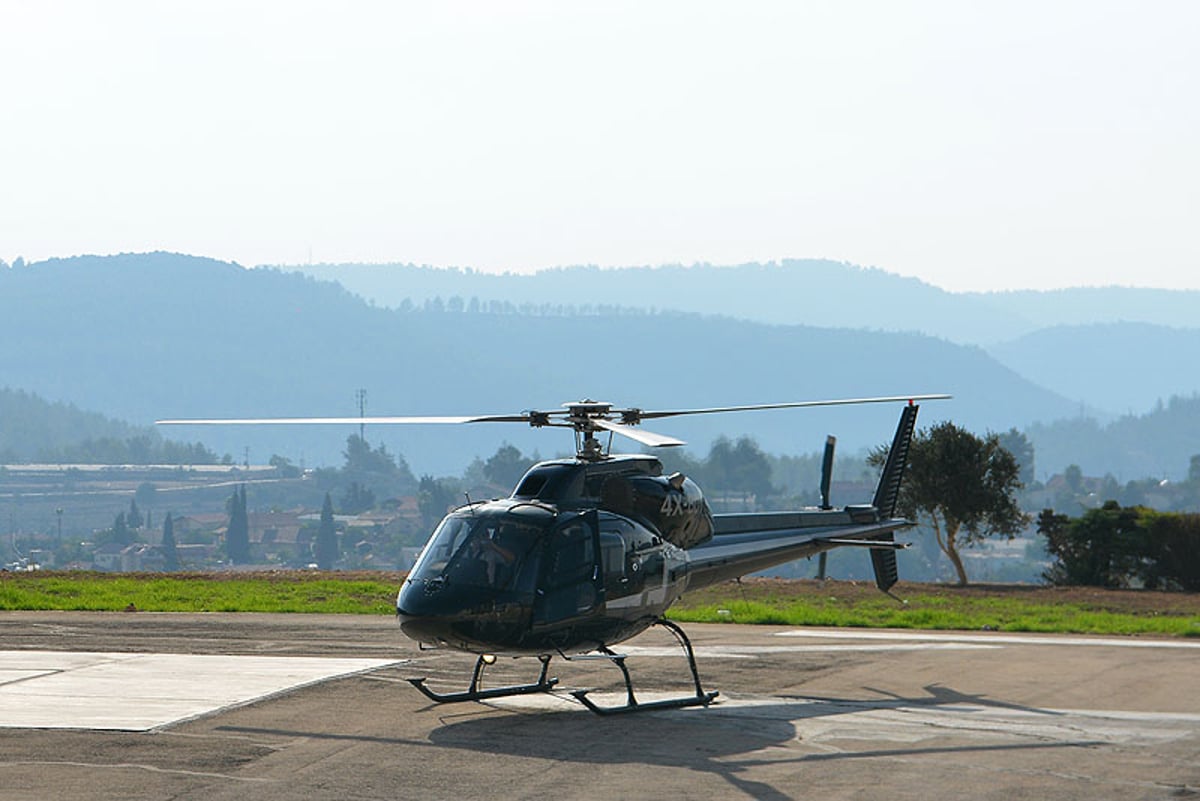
x: 134, y: 518
x: 237, y: 537
x: 327, y: 544
x: 120, y: 531
x: 170, y: 554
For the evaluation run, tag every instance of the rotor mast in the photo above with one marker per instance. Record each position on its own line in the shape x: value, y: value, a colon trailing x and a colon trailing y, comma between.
x: 582, y: 416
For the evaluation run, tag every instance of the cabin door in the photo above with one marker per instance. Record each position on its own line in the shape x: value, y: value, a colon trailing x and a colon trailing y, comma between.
x: 571, y: 585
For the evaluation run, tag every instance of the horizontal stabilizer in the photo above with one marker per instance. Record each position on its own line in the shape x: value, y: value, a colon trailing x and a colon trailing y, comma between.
x: 878, y: 543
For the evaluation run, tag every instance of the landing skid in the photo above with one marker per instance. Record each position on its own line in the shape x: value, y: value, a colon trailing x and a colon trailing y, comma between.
x: 701, y: 698
x: 473, y: 693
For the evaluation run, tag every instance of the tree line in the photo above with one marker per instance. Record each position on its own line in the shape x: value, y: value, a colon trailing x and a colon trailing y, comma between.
x: 456, y: 304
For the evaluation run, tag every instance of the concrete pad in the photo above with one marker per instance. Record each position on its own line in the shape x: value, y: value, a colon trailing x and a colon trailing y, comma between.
x: 140, y: 692
x: 904, y: 720
x: 1045, y: 717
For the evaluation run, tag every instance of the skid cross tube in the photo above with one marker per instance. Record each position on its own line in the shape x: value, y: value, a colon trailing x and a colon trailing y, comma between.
x: 473, y: 693
x: 701, y: 698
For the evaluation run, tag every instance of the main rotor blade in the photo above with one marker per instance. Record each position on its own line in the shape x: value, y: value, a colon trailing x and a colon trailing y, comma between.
x: 643, y: 415
x: 308, y: 421
x: 639, y: 434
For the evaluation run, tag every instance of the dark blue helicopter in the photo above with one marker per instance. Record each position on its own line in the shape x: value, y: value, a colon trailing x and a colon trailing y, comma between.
x: 591, y: 551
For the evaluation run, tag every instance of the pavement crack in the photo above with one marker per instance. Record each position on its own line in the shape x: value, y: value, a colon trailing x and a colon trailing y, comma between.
x: 256, y: 740
x: 138, y: 766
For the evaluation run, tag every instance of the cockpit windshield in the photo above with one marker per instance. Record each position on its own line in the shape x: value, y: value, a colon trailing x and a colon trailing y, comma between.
x: 477, y: 550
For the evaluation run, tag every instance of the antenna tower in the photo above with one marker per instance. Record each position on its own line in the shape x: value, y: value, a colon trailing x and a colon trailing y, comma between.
x: 361, y: 397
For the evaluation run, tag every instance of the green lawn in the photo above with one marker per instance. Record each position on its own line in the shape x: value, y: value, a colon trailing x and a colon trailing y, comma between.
x: 933, y: 613
x: 763, y: 601
x: 297, y: 591
x: 1065, y: 610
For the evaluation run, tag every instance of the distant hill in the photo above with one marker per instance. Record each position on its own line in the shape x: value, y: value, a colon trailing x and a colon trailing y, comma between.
x: 1124, y: 368
x: 791, y: 292
x: 1158, y: 444
x: 35, y: 430
x: 162, y: 335
x: 1083, y: 306
x: 30, y: 426
x: 1064, y: 340
x: 812, y: 292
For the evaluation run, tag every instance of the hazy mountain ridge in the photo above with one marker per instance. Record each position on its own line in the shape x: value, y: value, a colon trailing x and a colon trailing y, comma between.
x: 1124, y: 368
x: 163, y: 335
x: 792, y: 292
x: 1081, y: 306
x: 35, y: 430
x: 812, y: 292
x: 28, y: 424
x: 1039, y: 334
x: 1159, y: 444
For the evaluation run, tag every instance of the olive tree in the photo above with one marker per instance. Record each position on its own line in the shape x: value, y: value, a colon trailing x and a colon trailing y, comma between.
x: 963, y: 487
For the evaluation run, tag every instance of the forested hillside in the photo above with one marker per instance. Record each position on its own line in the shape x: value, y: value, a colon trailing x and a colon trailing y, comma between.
x: 1158, y: 444
x: 792, y: 292
x: 1083, y: 306
x: 34, y: 430
x: 142, y: 337
x: 1121, y: 368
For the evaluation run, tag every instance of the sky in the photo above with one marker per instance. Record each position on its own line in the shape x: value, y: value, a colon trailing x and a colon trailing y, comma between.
x: 977, y: 146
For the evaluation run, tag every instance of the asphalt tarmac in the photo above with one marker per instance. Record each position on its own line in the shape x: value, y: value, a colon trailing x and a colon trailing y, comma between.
x: 811, y: 713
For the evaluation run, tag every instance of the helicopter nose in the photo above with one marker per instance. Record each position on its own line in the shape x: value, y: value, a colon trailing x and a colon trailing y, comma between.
x: 419, y: 621
x: 421, y: 617
x: 422, y: 628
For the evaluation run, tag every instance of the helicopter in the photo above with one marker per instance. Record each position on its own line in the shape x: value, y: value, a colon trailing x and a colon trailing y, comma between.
x: 590, y: 551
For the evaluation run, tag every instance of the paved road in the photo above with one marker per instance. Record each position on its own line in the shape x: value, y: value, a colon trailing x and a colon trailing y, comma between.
x: 809, y: 714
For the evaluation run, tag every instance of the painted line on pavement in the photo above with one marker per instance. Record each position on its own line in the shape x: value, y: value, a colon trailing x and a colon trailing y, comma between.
x: 990, y: 639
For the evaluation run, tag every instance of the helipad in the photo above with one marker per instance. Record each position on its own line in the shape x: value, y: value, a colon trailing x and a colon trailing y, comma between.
x: 834, y: 714
x: 143, y: 691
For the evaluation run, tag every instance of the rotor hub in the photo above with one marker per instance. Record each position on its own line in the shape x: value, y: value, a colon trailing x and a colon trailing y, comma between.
x: 587, y: 409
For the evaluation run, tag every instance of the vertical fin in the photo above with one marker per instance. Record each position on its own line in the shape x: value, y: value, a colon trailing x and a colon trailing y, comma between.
x: 888, y: 491
x: 887, y: 494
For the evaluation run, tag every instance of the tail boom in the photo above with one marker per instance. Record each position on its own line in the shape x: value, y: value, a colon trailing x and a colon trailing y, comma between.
x: 746, y: 543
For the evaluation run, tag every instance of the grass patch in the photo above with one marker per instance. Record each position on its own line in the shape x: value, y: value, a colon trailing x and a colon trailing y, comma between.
x: 1013, y: 609
x: 290, y: 591
x: 763, y: 601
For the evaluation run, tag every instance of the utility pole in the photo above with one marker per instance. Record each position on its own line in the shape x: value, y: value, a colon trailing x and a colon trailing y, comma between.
x: 361, y: 397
